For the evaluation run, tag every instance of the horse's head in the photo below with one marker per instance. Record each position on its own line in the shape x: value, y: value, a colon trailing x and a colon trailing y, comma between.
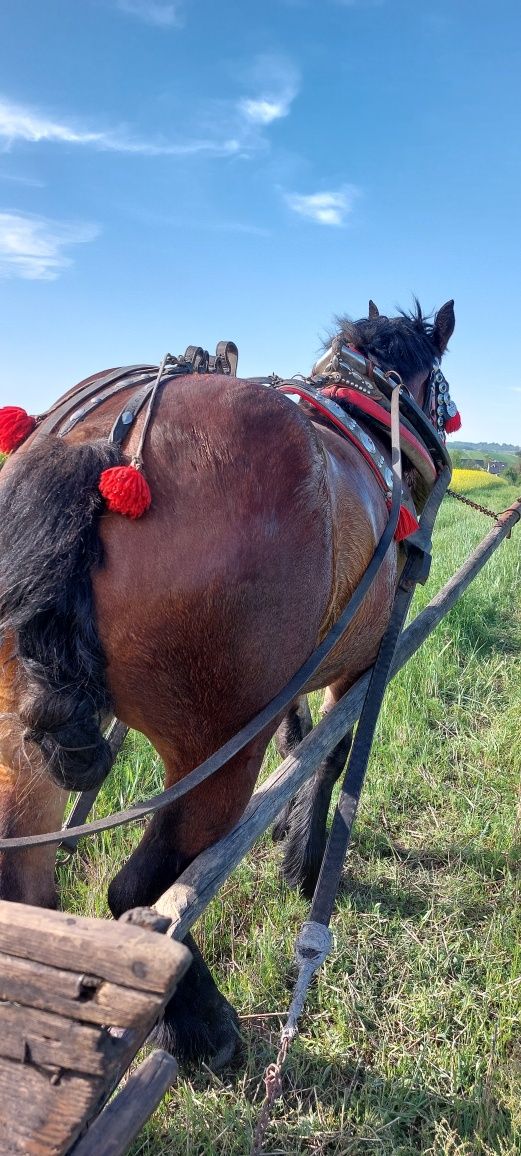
x: 409, y: 344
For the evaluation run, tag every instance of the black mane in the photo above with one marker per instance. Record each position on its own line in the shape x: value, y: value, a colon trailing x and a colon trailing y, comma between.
x: 405, y: 343
x: 49, y: 510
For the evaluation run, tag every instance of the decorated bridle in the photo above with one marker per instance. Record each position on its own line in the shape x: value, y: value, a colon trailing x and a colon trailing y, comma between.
x: 438, y: 405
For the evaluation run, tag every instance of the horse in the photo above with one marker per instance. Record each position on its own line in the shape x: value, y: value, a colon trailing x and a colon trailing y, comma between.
x: 184, y: 623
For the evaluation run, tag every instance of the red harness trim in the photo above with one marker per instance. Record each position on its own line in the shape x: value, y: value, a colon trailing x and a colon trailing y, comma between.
x: 323, y: 409
x: 372, y: 409
x: 407, y: 521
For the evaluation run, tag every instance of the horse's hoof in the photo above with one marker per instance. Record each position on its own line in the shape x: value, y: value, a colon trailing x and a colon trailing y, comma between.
x: 224, y: 1056
x: 210, y: 1036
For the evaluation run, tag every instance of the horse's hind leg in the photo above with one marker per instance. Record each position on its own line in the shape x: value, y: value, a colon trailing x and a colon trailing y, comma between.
x: 296, y: 724
x: 306, y: 819
x: 198, y: 1022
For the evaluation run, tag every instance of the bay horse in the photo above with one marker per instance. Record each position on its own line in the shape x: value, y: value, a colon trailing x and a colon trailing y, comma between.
x: 186, y: 622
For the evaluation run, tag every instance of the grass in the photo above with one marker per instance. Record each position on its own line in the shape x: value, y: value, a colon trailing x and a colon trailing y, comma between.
x: 410, y: 1042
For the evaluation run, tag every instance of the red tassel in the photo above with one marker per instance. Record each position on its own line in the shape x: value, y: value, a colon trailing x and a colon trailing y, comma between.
x: 125, y: 490
x: 15, y: 427
x: 453, y: 424
x: 406, y: 524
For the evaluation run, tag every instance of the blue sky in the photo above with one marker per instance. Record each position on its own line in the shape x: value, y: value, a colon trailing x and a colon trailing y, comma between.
x: 181, y: 172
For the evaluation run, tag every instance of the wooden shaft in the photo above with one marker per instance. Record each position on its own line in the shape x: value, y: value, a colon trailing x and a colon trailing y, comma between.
x: 187, y: 898
x: 112, y: 1132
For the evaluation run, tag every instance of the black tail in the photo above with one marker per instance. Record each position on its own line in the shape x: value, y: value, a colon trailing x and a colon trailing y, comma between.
x: 49, y: 510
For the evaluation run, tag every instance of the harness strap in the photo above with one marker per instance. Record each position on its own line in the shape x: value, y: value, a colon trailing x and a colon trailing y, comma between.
x: 127, y: 416
x: 121, y: 378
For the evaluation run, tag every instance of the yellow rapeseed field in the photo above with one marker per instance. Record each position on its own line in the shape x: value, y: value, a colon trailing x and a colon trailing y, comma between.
x: 465, y: 480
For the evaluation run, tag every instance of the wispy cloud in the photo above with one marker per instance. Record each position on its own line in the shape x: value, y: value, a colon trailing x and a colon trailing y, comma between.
x: 221, y: 128
x: 18, y: 123
x: 158, y: 12
x: 328, y: 208
x: 20, y: 179
x: 33, y: 247
x: 277, y: 83
x: 263, y: 111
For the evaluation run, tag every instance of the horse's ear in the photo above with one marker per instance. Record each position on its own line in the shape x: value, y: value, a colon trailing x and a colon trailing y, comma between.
x: 444, y: 323
x: 373, y: 310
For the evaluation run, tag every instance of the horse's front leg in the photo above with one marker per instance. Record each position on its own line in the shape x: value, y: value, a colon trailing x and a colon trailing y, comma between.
x: 198, y: 1023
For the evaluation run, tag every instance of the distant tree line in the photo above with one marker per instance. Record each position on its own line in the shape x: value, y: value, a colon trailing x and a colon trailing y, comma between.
x: 460, y: 460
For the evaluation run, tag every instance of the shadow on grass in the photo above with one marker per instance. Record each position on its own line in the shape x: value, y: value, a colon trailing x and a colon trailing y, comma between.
x: 332, y: 1107
x: 384, y: 894
x: 486, y: 861
x: 402, y: 1116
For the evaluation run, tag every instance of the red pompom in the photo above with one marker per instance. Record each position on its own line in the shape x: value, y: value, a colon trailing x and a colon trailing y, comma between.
x: 125, y: 490
x: 453, y: 424
x: 15, y: 427
x: 406, y: 524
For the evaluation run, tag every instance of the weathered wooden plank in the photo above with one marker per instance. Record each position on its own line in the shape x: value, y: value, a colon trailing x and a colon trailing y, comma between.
x: 39, y: 1037
x: 191, y: 893
x: 78, y: 996
x: 39, y: 1117
x: 119, y: 953
x: 113, y: 1130
x: 56, y: 1071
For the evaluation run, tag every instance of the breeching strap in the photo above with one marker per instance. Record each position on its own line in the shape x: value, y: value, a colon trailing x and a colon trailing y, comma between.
x: 278, y: 704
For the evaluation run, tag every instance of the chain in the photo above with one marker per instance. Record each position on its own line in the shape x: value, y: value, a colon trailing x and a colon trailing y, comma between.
x: 474, y: 505
x: 273, y: 1086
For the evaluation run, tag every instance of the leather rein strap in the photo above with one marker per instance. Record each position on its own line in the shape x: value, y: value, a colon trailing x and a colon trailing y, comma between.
x: 279, y: 704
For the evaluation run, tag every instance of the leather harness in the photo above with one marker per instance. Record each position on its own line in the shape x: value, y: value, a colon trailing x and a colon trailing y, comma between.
x: 343, y: 387
x: 418, y: 556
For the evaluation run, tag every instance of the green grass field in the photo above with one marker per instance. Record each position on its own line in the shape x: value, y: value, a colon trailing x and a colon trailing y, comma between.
x: 410, y: 1042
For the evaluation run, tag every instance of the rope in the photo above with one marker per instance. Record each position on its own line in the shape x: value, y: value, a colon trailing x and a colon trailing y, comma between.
x: 312, y: 946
